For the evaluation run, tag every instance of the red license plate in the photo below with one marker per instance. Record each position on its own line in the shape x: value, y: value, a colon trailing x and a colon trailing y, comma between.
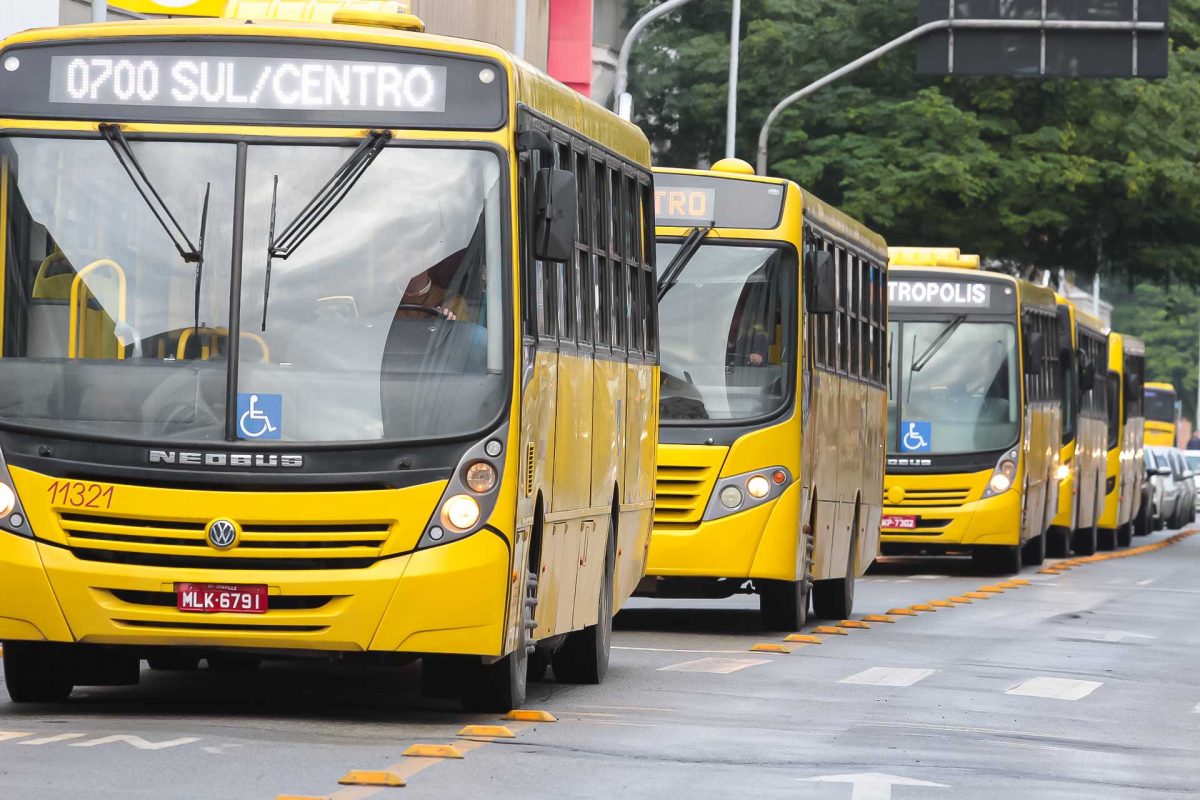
x: 898, y: 522
x: 212, y: 598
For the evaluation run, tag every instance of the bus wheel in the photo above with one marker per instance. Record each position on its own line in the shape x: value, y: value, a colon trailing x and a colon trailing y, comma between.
x: 1083, y: 541
x: 1106, y: 539
x: 997, y: 559
x: 834, y: 598
x: 232, y: 662
x: 1033, y: 553
x: 784, y: 604
x: 37, y: 672
x: 500, y: 686
x: 170, y: 661
x: 583, y: 658
x: 1058, y: 542
x: 1125, y: 534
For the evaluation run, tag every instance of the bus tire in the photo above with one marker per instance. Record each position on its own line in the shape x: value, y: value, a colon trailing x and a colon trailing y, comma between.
x: 37, y: 672
x: 1058, y: 542
x: 997, y: 559
x: 584, y: 656
x: 783, y: 605
x: 233, y: 662
x: 1033, y: 552
x: 834, y: 598
x: 174, y: 661
x: 1125, y: 535
x: 1106, y: 539
x: 500, y: 687
x: 1083, y: 541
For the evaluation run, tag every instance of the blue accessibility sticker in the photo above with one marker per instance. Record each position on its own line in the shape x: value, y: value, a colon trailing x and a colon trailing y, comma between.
x: 916, y: 437
x: 260, y: 416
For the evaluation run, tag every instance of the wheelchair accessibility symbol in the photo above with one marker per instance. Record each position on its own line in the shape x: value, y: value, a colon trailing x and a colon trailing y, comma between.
x: 260, y: 416
x: 917, y: 437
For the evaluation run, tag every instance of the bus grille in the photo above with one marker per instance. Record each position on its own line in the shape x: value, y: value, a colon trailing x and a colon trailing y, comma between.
x: 172, y: 543
x: 681, y: 495
x: 933, y: 498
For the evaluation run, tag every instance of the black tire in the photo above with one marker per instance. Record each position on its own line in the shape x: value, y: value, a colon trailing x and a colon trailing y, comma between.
x: 834, y: 598
x: 37, y: 672
x: 233, y: 662
x: 500, y: 687
x: 1145, y: 521
x: 174, y: 662
x: 997, y: 559
x: 1083, y: 541
x: 1033, y: 552
x: 1125, y: 535
x: 783, y: 605
x: 1058, y: 542
x: 584, y: 656
x: 1106, y: 539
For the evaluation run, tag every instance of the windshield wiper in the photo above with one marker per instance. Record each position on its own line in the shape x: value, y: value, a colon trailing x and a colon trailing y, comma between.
x: 322, y: 204
x: 691, y: 244
x: 923, y: 360
x: 200, y: 260
x: 158, y: 207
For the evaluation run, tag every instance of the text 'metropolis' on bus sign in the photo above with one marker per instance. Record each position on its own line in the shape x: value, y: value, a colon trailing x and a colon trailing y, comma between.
x: 943, y: 295
x: 251, y: 82
x: 682, y: 200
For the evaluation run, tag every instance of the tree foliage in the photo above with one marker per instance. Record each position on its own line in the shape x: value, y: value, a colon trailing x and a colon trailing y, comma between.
x: 1168, y: 321
x: 1086, y: 175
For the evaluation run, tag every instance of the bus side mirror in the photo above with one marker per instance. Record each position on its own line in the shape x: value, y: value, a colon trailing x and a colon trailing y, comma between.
x: 1035, y: 353
x: 555, y: 207
x: 822, y: 273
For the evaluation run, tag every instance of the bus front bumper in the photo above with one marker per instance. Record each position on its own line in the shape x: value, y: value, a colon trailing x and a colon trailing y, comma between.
x: 991, y: 521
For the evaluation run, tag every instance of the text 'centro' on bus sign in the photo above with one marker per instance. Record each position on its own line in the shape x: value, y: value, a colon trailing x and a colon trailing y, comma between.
x: 939, y: 294
x: 247, y: 81
x: 685, y: 204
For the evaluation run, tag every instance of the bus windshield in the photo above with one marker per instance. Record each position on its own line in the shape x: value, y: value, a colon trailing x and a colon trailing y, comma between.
x: 1160, y: 405
x: 727, y: 336
x: 384, y: 323
x: 955, y: 387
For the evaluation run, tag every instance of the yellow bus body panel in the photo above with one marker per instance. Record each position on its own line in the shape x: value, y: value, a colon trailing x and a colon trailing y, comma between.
x: 970, y: 519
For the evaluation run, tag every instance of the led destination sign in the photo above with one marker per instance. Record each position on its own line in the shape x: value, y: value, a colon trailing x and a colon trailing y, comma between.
x: 684, y: 200
x: 950, y: 295
x: 245, y: 81
x: 251, y: 81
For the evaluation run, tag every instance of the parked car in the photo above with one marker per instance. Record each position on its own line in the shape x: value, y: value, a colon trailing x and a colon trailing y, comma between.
x: 1186, y: 480
x: 1193, y: 461
x: 1143, y: 524
x: 1166, y: 493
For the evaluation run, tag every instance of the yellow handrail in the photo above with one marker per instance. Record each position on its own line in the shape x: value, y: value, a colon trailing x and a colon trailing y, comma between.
x: 185, y: 337
x: 75, y: 335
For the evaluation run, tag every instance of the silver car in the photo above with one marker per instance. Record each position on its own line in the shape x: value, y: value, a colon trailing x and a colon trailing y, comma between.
x: 1193, y: 461
x: 1185, y: 478
x: 1166, y: 493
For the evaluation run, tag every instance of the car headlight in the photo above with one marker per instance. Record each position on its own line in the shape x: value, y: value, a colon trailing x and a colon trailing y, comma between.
x: 749, y: 489
x: 1003, y: 475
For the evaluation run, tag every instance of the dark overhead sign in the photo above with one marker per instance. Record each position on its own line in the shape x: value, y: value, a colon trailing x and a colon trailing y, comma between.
x: 1060, y: 38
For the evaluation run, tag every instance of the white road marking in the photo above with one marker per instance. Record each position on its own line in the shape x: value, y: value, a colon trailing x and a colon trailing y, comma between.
x: 1196, y: 710
x: 135, y: 741
x: 928, y: 577
x: 62, y: 737
x: 889, y: 676
x: 1147, y: 582
x: 1055, y: 688
x: 716, y: 666
x: 673, y: 650
x: 872, y: 785
x: 1106, y: 636
x: 6, y: 735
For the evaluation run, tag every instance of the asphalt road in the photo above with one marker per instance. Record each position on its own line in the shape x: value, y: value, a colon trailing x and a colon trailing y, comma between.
x: 1084, y: 684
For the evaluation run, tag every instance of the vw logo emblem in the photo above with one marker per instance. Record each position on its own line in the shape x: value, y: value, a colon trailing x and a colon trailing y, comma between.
x: 222, y: 534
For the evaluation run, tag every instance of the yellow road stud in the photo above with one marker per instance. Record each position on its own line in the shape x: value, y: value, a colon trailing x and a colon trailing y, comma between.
x: 371, y: 777
x: 902, y: 612
x: 492, y: 731
x: 852, y: 623
x: 978, y: 595
x: 802, y: 638
x: 1008, y: 585
x: 878, y: 618
x: 1019, y: 581
x: 829, y: 629
x: 770, y: 647
x: 959, y: 600
x: 924, y: 607
x: 433, y: 751
x: 991, y: 589
x: 941, y: 604
x: 530, y: 715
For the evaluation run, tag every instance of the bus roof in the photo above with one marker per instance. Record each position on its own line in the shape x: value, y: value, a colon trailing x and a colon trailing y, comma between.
x: 530, y: 86
x: 1083, y: 318
x: 1162, y: 387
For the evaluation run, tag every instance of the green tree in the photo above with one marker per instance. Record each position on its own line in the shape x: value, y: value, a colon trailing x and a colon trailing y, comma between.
x: 1168, y: 321
x: 1089, y: 176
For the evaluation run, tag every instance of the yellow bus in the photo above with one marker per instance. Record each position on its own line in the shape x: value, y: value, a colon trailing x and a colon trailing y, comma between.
x: 1083, y: 462
x: 1125, y: 384
x: 770, y: 461
x: 1162, y: 404
x: 974, y: 410
x: 330, y: 337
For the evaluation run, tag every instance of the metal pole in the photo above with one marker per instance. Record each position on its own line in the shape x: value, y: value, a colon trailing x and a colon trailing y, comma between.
x: 99, y: 10
x: 622, y: 77
x: 1096, y: 295
x: 932, y: 27
x: 735, y: 35
x: 520, y: 20
x: 1196, y: 430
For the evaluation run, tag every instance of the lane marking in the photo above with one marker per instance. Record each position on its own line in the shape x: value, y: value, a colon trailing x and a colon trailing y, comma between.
x: 716, y: 666
x: 136, y: 741
x: 673, y: 650
x: 6, y: 735
x: 889, y: 676
x: 872, y: 785
x: 1055, y: 688
x: 1147, y: 582
x: 62, y: 737
x: 1196, y: 710
x: 1107, y: 636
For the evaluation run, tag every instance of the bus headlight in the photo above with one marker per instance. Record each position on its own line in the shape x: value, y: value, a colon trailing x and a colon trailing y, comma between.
x: 744, y: 491
x: 1063, y: 472
x: 481, y: 477
x: 1002, y: 477
x: 460, y: 512
x: 13, y: 518
x: 8, y: 500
